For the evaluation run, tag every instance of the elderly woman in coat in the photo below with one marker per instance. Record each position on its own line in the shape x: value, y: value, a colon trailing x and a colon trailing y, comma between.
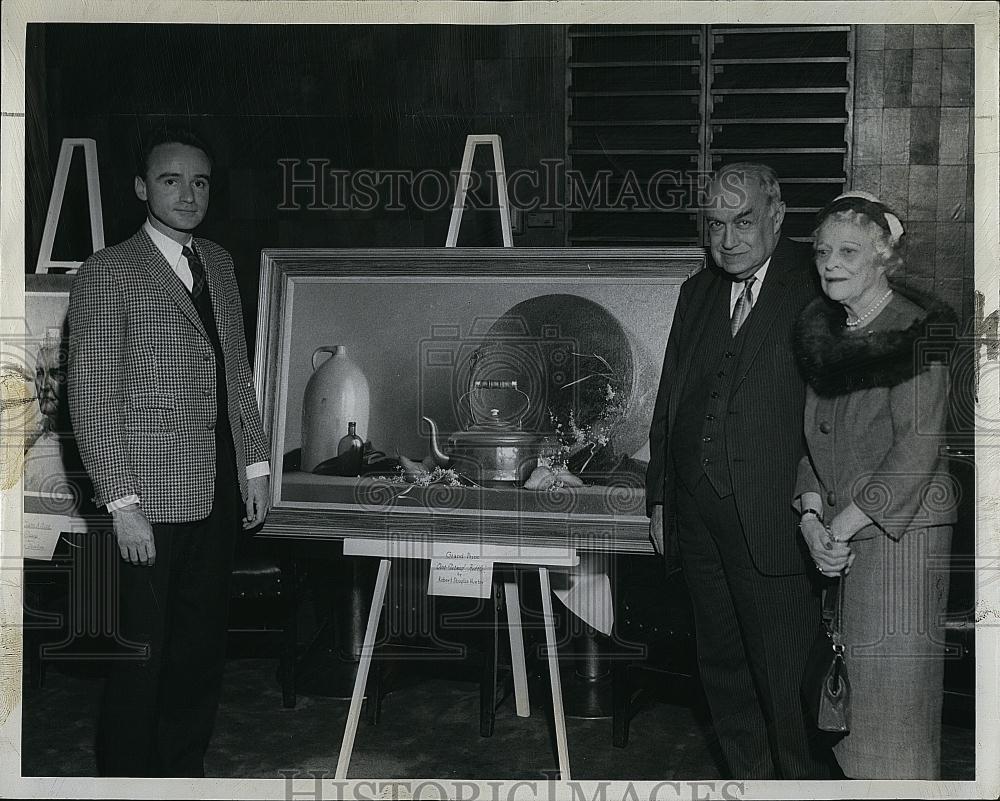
x: 875, y: 496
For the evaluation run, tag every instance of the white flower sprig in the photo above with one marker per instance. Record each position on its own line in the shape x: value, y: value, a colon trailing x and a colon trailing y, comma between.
x: 424, y: 478
x: 573, y: 437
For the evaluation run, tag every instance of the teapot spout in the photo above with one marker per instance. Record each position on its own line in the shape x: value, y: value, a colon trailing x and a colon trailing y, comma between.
x: 439, y: 455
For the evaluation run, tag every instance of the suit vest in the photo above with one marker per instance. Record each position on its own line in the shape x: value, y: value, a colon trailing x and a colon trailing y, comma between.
x: 225, y: 450
x: 698, y: 438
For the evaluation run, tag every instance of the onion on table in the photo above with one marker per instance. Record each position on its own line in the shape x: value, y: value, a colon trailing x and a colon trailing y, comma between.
x: 413, y: 471
x: 545, y: 478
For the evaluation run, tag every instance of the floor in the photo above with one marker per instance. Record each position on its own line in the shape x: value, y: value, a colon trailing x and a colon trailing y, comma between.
x: 429, y: 728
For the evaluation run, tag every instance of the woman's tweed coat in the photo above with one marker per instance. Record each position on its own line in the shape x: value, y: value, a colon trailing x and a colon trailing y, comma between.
x: 875, y: 419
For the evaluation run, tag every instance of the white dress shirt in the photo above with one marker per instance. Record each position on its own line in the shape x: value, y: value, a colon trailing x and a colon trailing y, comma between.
x: 737, y: 288
x: 173, y: 252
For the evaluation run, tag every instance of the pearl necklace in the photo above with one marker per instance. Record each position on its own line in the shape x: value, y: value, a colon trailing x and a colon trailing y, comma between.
x: 870, y: 311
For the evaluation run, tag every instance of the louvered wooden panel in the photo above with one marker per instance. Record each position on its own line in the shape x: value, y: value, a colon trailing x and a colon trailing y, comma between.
x: 649, y: 107
x: 635, y: 121
x: 783, y: 95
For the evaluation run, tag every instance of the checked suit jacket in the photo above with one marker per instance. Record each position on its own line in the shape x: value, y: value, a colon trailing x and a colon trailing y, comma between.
x: 142, y: 379
x: 764, y: 412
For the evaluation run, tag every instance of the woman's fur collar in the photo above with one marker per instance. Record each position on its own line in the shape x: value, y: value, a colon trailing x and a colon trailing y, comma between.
x: 834, y: 363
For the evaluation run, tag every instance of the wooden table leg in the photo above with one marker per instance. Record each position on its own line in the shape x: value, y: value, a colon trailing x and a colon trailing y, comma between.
x: 515, y: 632
x: 354, y: 713
x: 558, y: 715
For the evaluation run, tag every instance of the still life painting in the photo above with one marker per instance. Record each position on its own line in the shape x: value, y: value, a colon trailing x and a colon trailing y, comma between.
x: 449, y: 383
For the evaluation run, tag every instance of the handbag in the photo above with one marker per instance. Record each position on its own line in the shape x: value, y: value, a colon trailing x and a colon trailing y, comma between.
x: 826, y: 688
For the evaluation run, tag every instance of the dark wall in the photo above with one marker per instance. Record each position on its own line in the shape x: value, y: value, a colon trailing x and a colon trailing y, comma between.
x: 399, y: 97
x: 360, y: 97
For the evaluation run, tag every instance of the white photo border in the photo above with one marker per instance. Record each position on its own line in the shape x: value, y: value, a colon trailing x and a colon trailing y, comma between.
x: 16, y: 14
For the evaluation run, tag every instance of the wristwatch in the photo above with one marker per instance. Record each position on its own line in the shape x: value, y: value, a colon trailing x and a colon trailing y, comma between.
x: 809, y: 511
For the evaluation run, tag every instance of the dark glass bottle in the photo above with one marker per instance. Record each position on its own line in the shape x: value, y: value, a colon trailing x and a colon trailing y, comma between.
x: 349, y: 452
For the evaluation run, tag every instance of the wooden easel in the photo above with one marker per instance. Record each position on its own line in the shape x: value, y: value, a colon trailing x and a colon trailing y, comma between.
x: 417, y: 550
x: 387, y: 551
x: 45, y: 262
x: 513, y: 601
x: 464, y: 177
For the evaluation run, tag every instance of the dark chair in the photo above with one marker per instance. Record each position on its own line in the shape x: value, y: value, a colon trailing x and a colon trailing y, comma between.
x: 263, y: 601
x: 654, y: 613
x: 64, y: 619
x: 475, y: 639
x: 44, y: 613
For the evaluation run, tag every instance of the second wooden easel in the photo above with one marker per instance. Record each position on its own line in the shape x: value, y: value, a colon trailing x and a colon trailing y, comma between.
x: 465, y: 176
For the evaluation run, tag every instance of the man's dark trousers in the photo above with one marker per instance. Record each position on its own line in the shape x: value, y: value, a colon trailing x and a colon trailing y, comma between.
x: 158, y: 713
x: 754, y: 632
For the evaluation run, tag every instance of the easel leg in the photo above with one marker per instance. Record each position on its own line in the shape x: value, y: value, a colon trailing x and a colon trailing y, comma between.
x: 516, y: 634
x: 558, y: 716
x: 465, y: 177
x: 490, y: 671
x: 354, y: 713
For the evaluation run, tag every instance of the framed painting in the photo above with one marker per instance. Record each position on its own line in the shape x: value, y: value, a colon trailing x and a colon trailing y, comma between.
x: 40, y: 450
x: 500, y: 395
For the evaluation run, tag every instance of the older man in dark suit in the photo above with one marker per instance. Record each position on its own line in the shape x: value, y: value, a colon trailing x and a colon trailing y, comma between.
x: 725, y: 442
x: 165, y: 415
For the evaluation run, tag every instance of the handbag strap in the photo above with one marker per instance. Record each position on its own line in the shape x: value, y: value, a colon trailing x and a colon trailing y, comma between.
x: 838, y: 622
x: 833, y: 605
x: 833, y: 614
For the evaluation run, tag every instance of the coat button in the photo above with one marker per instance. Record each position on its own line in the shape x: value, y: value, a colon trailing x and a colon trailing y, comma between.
x: 210, y: 426
x: 721, y: 374
x: 709, y: 416
x: 706, y: 439
x: 831, y: 499
x: 715, y: 394
x: 729, y: 354
x: 706, y: 461
x: 825, y: 427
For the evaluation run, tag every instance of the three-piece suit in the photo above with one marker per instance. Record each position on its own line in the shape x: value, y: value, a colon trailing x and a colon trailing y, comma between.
x: 725, y: 444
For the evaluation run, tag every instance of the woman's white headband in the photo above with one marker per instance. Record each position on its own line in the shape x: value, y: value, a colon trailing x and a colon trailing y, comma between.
x: 895, y: 226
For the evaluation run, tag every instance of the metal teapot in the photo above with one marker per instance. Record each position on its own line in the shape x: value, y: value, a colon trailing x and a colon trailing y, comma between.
x: 494, y: 451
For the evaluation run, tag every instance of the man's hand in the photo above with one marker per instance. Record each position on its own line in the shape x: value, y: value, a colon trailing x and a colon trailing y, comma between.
x: 258, y: 501
x: 656, y: 528
x: 134, y: 535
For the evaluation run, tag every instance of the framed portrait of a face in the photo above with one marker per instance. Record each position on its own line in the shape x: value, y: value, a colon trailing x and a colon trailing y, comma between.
x: 40, y: 450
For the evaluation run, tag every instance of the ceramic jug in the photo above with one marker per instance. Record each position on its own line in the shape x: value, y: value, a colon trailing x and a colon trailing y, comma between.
x: 337, y: 394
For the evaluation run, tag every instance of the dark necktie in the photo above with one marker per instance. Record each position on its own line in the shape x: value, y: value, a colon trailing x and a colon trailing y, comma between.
x: 744, y: 303
x: 197, y: 271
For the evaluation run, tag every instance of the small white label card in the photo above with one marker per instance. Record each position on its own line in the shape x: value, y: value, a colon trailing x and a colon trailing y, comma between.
x: 40, y: 533
x: 460, y: 570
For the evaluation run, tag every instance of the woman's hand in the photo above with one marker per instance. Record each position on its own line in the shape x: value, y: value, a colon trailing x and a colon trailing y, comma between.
x: 848, y: 523
x: 831, y: 558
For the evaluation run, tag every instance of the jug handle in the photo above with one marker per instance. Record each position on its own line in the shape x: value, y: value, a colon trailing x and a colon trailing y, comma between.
x: 333, y: 350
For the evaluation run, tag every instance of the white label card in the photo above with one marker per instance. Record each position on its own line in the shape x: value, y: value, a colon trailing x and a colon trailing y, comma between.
x: 40, y: 533
x: 460, y: 571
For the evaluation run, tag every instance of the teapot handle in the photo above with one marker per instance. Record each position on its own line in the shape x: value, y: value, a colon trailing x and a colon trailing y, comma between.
x: 492, y: 383
x: 333, y: 350
x: 495, y: 383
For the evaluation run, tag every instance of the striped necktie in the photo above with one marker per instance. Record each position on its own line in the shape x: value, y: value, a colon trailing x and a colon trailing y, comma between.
x: 744, y: 303
x: 197, y: 271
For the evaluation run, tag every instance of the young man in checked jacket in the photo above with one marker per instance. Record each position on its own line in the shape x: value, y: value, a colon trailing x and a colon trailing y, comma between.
x: 164, y: 412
